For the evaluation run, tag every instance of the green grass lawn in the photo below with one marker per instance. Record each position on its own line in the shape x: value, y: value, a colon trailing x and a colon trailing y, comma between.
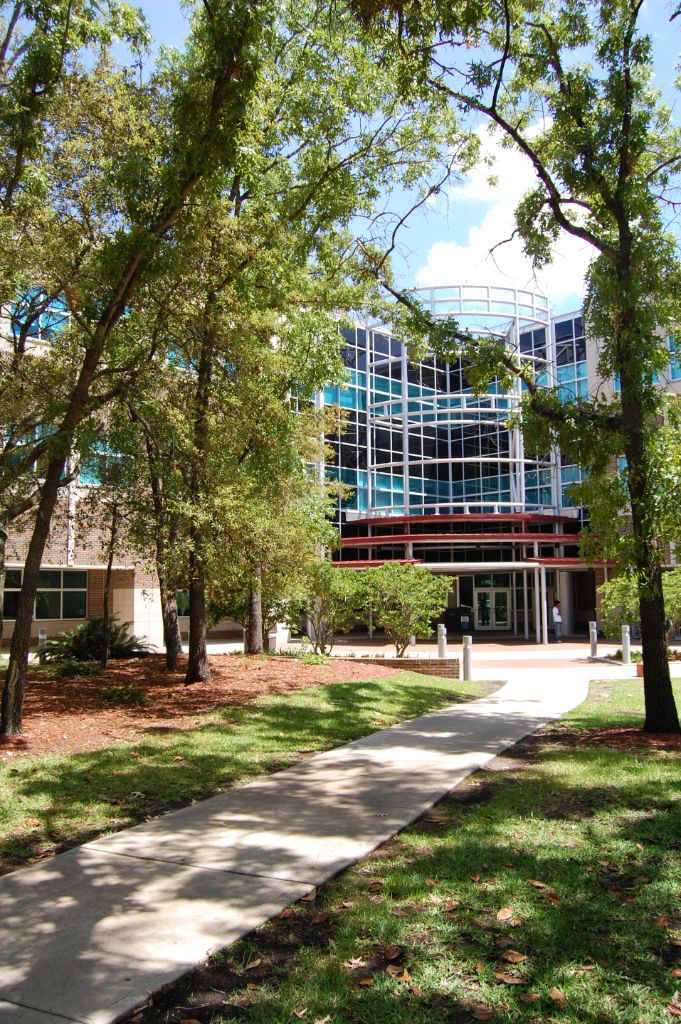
x: 50, y: 802
x: 548, y: 891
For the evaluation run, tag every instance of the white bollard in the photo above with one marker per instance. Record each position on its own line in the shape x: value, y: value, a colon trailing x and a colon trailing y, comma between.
x: 441, y: 641
x: 626, y: 646
x: 593, y: 639
x: 467, y: 658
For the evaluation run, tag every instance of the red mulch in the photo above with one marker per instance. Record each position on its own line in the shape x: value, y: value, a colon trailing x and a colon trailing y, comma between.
x: 630, y: 737
x: 66, y: 716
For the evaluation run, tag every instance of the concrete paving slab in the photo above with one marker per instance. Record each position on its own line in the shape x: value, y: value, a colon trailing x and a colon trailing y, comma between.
x: 12, y: 1013
x: 89, y: 935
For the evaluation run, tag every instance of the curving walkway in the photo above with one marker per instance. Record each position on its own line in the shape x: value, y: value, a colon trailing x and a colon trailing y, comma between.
x: 90, y: 934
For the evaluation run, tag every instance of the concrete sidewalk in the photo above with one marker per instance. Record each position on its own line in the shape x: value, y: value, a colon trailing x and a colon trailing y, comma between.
x: 92, y: 933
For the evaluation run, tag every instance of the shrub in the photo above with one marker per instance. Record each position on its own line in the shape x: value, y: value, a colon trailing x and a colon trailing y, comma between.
x: 125, y: 696
x: 70, y: 669
x: 84, y: 643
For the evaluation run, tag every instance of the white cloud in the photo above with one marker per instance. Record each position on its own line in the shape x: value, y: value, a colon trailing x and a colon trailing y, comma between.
x: 472, y: 261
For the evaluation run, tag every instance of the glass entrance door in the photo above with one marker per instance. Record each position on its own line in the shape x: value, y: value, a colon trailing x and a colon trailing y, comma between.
x: 492, y: 609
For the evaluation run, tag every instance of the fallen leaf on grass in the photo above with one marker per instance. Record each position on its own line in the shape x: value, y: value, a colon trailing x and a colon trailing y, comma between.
x: 676, y: 973
x: 178, y: 759
x: 530, y: 997
x: 366, y: 982
x: 356, y: 962
x: 536, y: 884
x: 549, y: 894
x: 302, y: 1012
x: 310, y: 897
x: 451, y: 905
x: 512, y: 956
x: 431, y: 881
x: 398, y: 973
x: 285, y: 914
x: 415, y: 990
x: 391, y: 953
x: 189, y: 1020
x: 505, y: 914
x: 347, y: 904
x: 557, y: 996
x: 375, y: 886
x: 324, y: 1020
x: 252, y: 985
x: 321, y: 918
x: 663, y: 922
x: 399, y: 912
x: 33, y: 823
x: 482, y: 1013
x: 509, y: 979
x: 475, y: 878
x: 253, y: 964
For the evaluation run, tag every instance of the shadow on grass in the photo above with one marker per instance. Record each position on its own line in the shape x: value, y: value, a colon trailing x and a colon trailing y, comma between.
x: 596, y: 927
x: 72, y: 799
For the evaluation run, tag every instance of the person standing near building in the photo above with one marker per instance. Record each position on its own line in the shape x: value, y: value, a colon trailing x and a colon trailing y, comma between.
x: 557, y: 620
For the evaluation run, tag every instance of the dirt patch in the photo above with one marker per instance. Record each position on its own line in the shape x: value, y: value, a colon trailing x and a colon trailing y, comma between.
x: 621, y: 737
x: 68, y: 716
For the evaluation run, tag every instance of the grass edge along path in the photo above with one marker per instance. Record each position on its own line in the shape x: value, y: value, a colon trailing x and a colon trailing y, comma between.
x: 545, y: 889
x: 53, y: 802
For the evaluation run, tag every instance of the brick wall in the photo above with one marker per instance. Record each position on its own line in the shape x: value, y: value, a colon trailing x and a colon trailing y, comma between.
x: 120, y: 580
x: 448, y: 668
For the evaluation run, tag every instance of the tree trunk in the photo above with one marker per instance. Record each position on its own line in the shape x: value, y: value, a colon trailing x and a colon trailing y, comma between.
x: 3, y: 548
x: 15, y: 679
x: 661, y: 715
x: 172, y: 637
x: 198, y: 669
x: 106, y: 616
x: 254, y: 643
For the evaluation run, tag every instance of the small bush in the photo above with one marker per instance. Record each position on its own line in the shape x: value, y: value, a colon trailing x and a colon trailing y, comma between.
x: 84, y: 643
x: 314, y: 659
x: 125, y: 696
x: 70, y: 669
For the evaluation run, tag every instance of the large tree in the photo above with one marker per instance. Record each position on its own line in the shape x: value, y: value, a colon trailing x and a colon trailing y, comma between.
x: 570, y: 85
x: 199, y: 101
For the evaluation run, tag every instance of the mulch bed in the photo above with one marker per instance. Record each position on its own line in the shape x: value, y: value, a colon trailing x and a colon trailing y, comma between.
x: 67, y: 716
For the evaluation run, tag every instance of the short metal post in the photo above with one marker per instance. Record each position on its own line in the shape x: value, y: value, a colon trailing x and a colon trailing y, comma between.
x: 593, y: 638
x: 42, y: 640
x: 468, y: 657
x: 441, y: 641
x: 626, y: 648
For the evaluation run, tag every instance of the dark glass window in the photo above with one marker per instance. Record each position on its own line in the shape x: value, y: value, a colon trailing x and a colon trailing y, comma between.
x: 74, y: 604
x: 50, y: 579
x: 48, y: 604
x: 13, y: 579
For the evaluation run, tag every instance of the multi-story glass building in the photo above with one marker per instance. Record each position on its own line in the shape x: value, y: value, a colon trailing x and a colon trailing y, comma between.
x: 436, y: 476
x: 440, y: 476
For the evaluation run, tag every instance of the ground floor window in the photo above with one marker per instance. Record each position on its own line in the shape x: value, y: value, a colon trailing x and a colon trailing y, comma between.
x: 62, y: 594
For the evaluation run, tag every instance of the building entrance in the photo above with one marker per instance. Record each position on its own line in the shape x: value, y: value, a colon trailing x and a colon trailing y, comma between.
x: 492, y: 608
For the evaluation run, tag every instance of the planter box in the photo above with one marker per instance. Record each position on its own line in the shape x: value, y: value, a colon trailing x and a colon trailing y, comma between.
x: 639, y: 669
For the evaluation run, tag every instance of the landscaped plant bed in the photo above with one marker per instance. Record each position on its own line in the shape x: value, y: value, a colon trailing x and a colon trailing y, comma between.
x: 449, y: 668
x: 64, y: 716
x: 90, y: 766
x: 547, y: 888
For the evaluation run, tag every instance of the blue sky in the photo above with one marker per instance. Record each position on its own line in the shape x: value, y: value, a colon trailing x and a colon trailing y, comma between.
x: 449, y: 243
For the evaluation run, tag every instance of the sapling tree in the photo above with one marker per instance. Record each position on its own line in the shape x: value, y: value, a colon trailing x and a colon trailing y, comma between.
x: 405, y: 599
